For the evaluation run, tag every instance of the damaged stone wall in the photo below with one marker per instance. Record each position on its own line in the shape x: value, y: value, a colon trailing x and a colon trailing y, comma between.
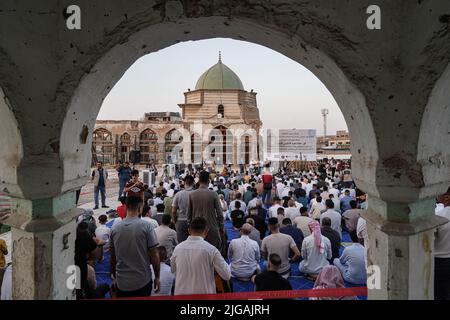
x: 391, y: 85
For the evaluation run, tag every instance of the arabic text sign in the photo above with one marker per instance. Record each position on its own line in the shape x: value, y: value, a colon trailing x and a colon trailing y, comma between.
x: 292, y: 144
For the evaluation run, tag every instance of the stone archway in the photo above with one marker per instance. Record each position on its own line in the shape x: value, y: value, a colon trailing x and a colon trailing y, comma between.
x: 111, y: 65
x: 434, y: 139
x: 95, y: 85
x: 11, y: 151
x: 125, y: 147
x: 173, y: 150
x: 381, y: 80
x: 148, y: 145
x: 220, y: 148
x: 196, y: 149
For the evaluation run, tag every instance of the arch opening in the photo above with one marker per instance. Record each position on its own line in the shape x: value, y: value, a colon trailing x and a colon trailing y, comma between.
x: 11, y: 154
x: 173, y: 147
x: 103, y: 147
x: 434, y: 139
x: 125, y: 147
x: 148, y: 146
x: 110, y: 67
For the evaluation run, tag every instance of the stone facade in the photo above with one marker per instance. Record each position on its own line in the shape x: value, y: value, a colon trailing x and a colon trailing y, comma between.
x: 219, y: 124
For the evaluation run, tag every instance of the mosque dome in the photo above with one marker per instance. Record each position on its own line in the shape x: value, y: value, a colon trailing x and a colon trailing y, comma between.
x: 219, y: 77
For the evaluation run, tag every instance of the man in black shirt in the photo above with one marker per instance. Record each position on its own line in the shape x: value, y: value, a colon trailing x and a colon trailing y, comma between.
x: 260, y: 223
x: 294, y: 232
x: 333, y: 236
x: 271, y: 280
x: 99, y: 177
x: 237, y: 215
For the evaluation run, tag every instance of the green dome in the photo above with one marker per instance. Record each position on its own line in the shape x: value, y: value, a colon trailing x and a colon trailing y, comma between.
x: 219, y: 77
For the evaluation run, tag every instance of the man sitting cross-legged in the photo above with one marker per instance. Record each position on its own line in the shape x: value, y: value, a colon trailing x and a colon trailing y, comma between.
x: 271, y: 280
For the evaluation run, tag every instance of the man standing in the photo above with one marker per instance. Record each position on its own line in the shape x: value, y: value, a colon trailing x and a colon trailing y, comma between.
x: 243, y: 206
x: 241, y: 166
x: 273, y: 210
x: 442, y: 253
x: 180, y: 207
x: 133, y: 246
x: 194, y: 262
x: 237, y: 216
x: 134, y: 186
x: 248, y: 195
x: 345, y: 201
x: 167, y: 237
x: 99, y: 176
x: 317, y: 207
x: 124, y: 173
x: 205, y: 203
x: 292, y: 211
x: 267, y: 180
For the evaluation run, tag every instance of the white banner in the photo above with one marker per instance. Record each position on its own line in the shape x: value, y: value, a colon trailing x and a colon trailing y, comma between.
x: 291, y: 145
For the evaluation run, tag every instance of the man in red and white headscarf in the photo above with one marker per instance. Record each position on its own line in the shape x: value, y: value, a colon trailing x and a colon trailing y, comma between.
x: 316, y: 251
x: 330, y: 278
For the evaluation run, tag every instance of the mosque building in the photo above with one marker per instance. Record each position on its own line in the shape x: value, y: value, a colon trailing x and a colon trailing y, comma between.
x: 219, y: 122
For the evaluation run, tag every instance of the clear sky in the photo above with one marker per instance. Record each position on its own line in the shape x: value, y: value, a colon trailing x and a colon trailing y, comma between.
x: 289, y: 95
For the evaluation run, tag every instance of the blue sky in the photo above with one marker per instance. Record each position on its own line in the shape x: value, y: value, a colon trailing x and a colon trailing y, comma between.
x: 289, y: 96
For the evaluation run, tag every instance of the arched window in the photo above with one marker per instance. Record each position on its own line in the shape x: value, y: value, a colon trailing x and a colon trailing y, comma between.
x: 125, y: 139
x: 125, y: 147
x: 220, y: 111
x: 149, y: 135
x: 196, y: 149
x: 247, y: 148
x: 102, y: 146
x: 172, y: 140
x: 148, y: 146
x: 222, y: 154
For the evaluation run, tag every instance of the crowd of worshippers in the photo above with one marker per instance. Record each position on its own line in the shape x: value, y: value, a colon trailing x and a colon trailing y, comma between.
x: 171, y: 239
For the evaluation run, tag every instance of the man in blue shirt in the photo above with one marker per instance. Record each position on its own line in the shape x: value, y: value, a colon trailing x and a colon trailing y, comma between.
x: 294, y: 232
x: 345, y: 201
x: 226, y: 193
x: 124, y: 173
x: 351, y: 263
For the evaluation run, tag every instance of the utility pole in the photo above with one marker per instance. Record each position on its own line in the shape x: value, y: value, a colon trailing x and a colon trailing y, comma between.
x: 325, y: 113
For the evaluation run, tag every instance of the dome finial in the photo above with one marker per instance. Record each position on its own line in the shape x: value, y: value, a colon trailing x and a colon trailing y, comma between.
x: 220, y: 56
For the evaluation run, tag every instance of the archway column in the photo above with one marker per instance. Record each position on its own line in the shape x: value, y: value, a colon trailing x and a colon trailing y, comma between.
x: 43, y: 246
x: 401, y: 246
x: 160, y: 157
